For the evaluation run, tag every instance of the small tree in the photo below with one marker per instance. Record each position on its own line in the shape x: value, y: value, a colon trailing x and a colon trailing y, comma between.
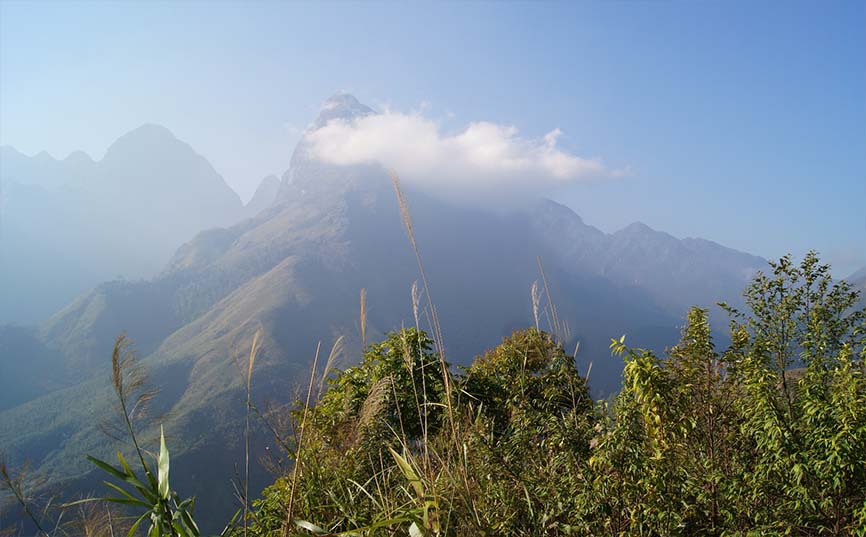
x: 799, y: 357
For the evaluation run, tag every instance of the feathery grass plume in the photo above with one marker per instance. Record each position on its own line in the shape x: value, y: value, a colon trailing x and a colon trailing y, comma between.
x: 363, y: 319
x: 271, y: 416
x: 338, y: 350
x: 438, y: 338
x: 254, y: 348
x: 416, y: 301
x: 133, y: 394
x: 434, y: 318
x: 410, y: 232
x: 372, y: 407
x: 288, y: 523
x: 536, y: 301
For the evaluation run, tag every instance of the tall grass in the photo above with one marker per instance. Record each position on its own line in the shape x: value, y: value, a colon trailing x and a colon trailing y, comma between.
x: 300, y: 440
x: 250, y: 363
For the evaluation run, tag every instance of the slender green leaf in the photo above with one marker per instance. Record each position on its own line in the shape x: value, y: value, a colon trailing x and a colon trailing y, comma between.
x: 136, y: 524
x: 162, y: 466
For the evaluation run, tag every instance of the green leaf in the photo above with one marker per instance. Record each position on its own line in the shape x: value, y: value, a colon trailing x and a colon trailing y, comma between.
x: 130, y: 478
x: 135, y: 526
x: 189, y: 523
x: 409, y: 472
x: 127, y: 494
x: 231, y: 522
x: 79, y: 502
x: 108, y: 468
x: 124, y: 501
x: 162, y: 466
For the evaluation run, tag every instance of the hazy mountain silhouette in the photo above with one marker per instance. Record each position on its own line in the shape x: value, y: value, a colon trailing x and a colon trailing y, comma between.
x: 858, y: 280
x: 295, y: 270
x: 858, y: 277
x: 67, y: 225
x: 263, y: 197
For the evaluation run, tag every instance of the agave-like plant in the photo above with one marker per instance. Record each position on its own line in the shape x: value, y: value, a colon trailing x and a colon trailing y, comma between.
x: 168, y: 514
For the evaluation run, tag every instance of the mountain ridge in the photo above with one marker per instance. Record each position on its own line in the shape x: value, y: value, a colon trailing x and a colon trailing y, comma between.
x: 121, y: 215
x: 295, y: 271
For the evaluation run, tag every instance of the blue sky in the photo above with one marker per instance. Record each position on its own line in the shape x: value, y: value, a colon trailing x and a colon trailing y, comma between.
x: 740, y: 122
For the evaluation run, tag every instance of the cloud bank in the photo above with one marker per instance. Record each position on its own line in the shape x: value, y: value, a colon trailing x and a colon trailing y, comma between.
x: 484, y: 158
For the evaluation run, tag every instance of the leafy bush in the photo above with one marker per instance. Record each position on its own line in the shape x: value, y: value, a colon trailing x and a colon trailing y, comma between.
x: 767, y: 437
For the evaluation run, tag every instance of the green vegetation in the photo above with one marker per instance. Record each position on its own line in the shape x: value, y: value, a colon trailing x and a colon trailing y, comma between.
x: 165, y: 511
x: 767, y: 437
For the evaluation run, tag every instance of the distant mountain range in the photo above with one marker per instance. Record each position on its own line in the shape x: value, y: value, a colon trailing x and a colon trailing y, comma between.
x: 858, y: 278
x: 67, y: 225
x: 295, y: 270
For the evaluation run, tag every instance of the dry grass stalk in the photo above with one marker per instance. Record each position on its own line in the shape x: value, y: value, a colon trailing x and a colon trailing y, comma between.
x: 14, y: 483
x: 363, y: 319
x: 559, y: 329
x: 434, y: 318
x: 250, y: 363
x: 91, y: 520
x: 438, y: 338
x: 288, y: 524
x: 129, y: 384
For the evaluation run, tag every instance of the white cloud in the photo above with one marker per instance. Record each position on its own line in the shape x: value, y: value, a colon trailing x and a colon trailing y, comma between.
x: 484, y: 158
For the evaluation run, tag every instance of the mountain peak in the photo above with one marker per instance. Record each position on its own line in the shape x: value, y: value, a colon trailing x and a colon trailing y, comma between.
x: 150, y: 139
x: 149, y: 132
x: 78, y: 157
x: 636, y: 228
x: 341, y: 106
